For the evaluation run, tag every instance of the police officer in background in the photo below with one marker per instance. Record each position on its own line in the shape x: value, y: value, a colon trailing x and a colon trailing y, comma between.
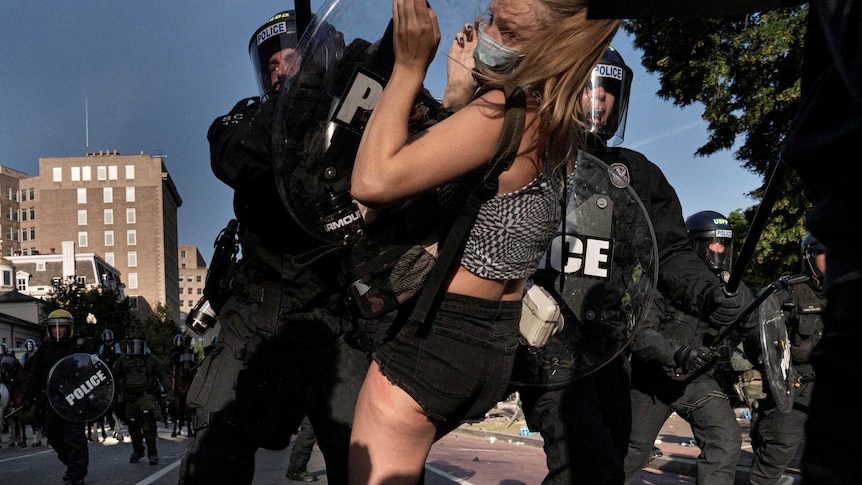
x: 138, y: 375
x: 672, y: 364
x: 66, y: 437
x: 281, y: 352
x: 109, y: 352
x: 585, y: 426
x: 775, y: 435
x: 29, y: 350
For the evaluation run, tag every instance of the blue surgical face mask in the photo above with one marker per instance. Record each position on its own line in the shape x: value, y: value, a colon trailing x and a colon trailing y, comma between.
x: 491, y: 54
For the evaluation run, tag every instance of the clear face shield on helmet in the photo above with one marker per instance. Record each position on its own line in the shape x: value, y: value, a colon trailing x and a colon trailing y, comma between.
x: 59, y: 330
x: 30, y: 345
x: 606, y: 100
x: 136, y: 346
x: 715, y: 248
x: 272, y: 50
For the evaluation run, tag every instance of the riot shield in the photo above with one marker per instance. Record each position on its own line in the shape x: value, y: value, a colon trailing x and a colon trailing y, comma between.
x: 80, y: 387
x: 602, y: 267
x: 775, y: 351
x: 346, y: 57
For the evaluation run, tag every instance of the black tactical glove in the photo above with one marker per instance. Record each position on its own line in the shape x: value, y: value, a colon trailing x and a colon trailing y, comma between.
x: 690, y: 360
x: 728, y: 306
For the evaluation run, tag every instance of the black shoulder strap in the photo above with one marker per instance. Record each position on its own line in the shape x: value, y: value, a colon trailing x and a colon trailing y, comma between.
x: 450, y: 249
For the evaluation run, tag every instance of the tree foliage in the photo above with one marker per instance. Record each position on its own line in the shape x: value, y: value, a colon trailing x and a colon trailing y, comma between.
x: 745, y: 71
x: 109, y: 311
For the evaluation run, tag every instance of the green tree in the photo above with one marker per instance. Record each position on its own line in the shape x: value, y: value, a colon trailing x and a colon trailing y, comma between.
x: 105, y: 306
x: 160, y: 328
x: 745, y: 71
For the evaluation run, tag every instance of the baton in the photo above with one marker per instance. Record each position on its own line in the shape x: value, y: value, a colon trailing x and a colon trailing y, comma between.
x: 303, y: 16
x: 773, y: 188
x: 12, y: 412
x: 761, y: 296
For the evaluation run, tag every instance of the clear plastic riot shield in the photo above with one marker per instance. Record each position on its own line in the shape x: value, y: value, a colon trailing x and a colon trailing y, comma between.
x: 346, y: 57
x: 602, y: 268
x: 775, y: 351
x: 80, y: 387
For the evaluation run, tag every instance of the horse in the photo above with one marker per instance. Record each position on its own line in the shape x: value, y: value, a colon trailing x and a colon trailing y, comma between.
x: 14, y: 378
x: 181, y: 378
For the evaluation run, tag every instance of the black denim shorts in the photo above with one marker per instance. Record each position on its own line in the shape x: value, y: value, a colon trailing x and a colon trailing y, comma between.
x: 461, y: 368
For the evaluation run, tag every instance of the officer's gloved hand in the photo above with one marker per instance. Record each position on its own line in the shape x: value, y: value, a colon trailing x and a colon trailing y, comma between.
x: 690, y: 359
x: 729, y: 305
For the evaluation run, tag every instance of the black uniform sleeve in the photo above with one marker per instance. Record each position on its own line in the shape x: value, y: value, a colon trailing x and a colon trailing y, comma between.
x: 37, y: 376
x: 240, y: 144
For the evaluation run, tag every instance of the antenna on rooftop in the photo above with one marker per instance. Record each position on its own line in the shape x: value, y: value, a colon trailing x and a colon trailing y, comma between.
x: 86, y: 127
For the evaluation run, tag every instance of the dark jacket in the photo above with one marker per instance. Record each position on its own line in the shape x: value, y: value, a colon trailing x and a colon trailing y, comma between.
x: 47, y: 355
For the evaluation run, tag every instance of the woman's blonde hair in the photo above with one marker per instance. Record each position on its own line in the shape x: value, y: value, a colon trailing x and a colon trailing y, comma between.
x: 558, y: 59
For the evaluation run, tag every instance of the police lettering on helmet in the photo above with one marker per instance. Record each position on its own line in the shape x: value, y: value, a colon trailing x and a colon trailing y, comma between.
x: 272, y: 49
x: 606, y: 98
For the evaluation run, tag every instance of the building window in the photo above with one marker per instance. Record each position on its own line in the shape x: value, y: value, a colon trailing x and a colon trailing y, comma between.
x: 22, y: 283
x: 109, y: 258
x: 86, y: 173
x: 133, y: 259
x: 131, y: 237
x: 112, y: 172
x: 76, y: 174
x: 198, y: 278
x: 81, y: 280
x: 130, y: 194
x: 131, y: 215
x: 32, y: 193
x: 200, y: 291
x: 23, y: 214
x: 40, y: 266
x: 189, y: 278
x: 133, y: 280
x: 191, y: 303
x: 102, y: 172
x: 108, y: 195
x: 133, y: 302
x: 109, y: 216
x: 82, y: 217
x: 32, y: 234
x: 7, y: 278
x: 24, y: 235
x: 82, y: 239
x: 57, y: 174
x: 130, y: 172
x: 82, y: 195
x: 24, y: 196
x: 109, y: 238
x: 32, y: 213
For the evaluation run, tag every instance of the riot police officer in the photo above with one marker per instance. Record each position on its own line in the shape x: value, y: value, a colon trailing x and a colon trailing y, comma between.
x: 138, y: 375
x: 585, y: 425
x: 281, y: 352
x: 29, y: 350
x: 672, y: 366
x: 775, y: 435
x: 66, y: 437
x: 110, y: 351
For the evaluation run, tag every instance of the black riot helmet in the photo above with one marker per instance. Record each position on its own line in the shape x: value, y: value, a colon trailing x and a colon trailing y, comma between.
x: 108, y: 337
x: 811, y: 248
x: 277, y: 34
x: 606, y: 97
x: 136, y: 344
x: 710, y: 235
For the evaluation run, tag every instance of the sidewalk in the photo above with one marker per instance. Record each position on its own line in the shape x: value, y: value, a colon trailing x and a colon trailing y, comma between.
x: 675, y: 441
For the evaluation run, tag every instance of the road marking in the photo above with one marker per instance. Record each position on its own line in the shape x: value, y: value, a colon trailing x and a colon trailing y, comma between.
x: 30, y: 455
x: 155, y: 476
x: 446, y: 475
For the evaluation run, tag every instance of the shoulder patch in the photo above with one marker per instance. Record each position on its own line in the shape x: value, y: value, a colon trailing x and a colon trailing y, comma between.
x: 619, y: 173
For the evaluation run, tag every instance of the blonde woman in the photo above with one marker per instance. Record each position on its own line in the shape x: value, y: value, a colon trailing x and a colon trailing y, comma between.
x: 420, y: 386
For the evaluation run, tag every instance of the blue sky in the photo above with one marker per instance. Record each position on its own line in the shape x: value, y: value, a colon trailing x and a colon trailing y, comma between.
x: 154, y: 75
